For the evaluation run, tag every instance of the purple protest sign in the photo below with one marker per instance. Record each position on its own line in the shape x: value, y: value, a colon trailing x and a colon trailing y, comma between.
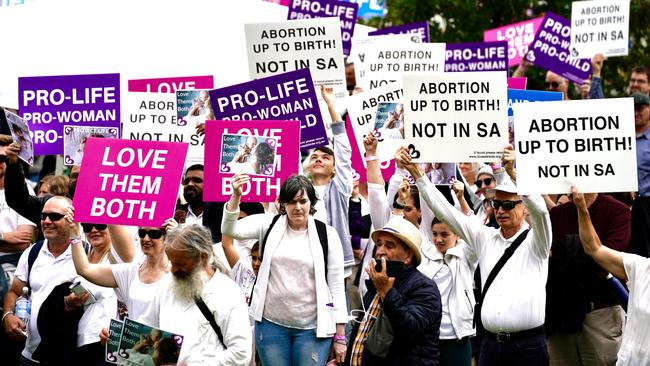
x: 550, y: 50
x: 129, y: 182
x: 476, y: 56
x: 518, y: 35
x: 260, y: 188
x: 345, y: 11
x: 287, y: 96
x: 420, y: 28
x: 47, y: 103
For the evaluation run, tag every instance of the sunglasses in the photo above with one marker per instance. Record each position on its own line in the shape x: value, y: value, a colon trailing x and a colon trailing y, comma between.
x: 89, y: 227
x: 153, y: 234
x: 3, y: 159
x: 506, y: 205
x: 54, y: 216
x: 553, y: 84
x: 479, y: 182
x: 195, y: 180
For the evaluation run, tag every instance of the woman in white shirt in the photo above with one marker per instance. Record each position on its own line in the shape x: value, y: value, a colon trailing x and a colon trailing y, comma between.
x: 298, y: 303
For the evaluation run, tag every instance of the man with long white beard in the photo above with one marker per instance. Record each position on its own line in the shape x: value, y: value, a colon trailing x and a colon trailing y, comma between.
x: 196, y: 276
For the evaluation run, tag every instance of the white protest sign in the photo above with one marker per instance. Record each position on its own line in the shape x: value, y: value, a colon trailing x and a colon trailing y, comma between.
x: 363, y: 45
x: 600, y: 26
x: 387, y: 64
x: 590, y: 143
x: 153, y: 117
x: 297, y: 44
x: 452, y: 117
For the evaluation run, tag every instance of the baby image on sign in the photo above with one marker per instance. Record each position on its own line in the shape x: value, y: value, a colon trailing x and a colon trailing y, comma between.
x: 141, y: 344
x: 253, y: 155
x: 20, y: 134
x: 389, y: 128
x: 75, y: 138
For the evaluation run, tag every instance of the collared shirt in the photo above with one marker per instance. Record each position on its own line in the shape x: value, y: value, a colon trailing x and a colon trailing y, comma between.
x: 192, y: 218
x: 362, y: 334
x: 643, y: 162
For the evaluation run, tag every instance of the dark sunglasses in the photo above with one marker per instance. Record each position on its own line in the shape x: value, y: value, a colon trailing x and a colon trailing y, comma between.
x: 153, y: 234
x: 196, y: 180
x: 506, y: 205
x: 89, y: 227
x: 553, y: 84
x: 479, y: 182
x: 3, y: 159
x: 54, y: 216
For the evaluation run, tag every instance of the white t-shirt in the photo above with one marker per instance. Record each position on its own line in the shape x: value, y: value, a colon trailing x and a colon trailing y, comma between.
x: 634, y: 348
x: 133, y: 292
x: 321, y: 211
x: 10, y: 219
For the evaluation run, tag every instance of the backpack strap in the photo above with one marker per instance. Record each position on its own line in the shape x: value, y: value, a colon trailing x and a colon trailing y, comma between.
x: 33, y: 253
x: 210, y: 317
x: 321, y: 228
x: 266, y: 235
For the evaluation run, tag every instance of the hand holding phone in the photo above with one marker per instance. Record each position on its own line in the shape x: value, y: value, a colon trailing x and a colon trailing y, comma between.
x: 78, y: 289
x: 393, y: 268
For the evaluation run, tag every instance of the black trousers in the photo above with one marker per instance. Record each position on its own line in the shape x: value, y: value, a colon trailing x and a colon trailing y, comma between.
x: 531, y: 351
x: 640, y: 243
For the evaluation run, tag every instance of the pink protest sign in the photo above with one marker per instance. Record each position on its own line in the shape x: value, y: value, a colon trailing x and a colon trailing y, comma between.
x: 358, y: 167
x: 517, y: 83
x: 518, y: 35
x: 129, y: 182
x: 260, y: 188
x: 172, y: 84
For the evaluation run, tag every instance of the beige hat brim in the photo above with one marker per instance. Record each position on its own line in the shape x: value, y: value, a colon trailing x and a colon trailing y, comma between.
x: 408, y: 242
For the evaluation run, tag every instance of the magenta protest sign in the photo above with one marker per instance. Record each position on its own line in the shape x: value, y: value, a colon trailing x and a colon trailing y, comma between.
x: 358, y: 167
x: 47, y: 103
x: 518, y: 35
x: 129, y: 182
x: 344, y: 10
x: 171, y: 84
x: 419, y: 29
x: 517, y: 82
x: 260, y: 188
x: 287, y: 96
x: 476, y: 56
x: 550, y: 50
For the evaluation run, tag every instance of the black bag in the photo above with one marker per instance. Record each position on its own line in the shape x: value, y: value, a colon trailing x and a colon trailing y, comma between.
x: 380, y: 336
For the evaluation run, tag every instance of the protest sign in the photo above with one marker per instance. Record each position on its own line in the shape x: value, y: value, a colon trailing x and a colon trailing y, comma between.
x: 388, y: 129
x: 287, y: 96
x: 476, y: 56
x: 140, y: 342
x: 419, y: 29
x: 518, y: 35
x: 76, y: 137
x: 193, y: 107
x: 371, y: 8
x: 129, y: 182
x: 589, y: 143
x: 358, y: 163
x: 517, y: 83
x: 345, y: 11
x: 21, y: 135
x: 363, y: 45
x: 153, y: 117
x: 387, y: 64
x: 600, y: 26
x: 260, y: 188
x: 453, y: 117
x: 525, y: 96
x: 550, y: 50
x: 253, y: 155
x: 171, y: 84
x: 113, y: 344
x: 47, y: 103
x: 297, y: 44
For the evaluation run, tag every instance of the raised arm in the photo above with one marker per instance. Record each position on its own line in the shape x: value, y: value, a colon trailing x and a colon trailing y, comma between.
x: 122, y: 242
x: 16, y: 192
x: 17, y: 241
x: 229, y: 250
x: 97, y: 273
x: 250, y: 227
x: 610, y: 259
x: 596, y: 88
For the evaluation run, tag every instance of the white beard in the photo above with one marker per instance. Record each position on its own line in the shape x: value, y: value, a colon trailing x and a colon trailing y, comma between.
x: 187, y: 289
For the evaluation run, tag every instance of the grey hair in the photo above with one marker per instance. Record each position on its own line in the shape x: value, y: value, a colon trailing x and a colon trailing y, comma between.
x: 195, y: 240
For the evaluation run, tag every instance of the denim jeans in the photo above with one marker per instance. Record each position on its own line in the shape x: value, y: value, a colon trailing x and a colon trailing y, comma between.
x: 282, y: 346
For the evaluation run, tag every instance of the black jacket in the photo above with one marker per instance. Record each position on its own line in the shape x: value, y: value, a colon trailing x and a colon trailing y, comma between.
x: 18, y: 197
x: 414, y: 310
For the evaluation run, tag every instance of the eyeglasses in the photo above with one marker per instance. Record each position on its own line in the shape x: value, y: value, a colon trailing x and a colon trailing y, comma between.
x: 479, y: 182
x: 89, y: 227
x: 153, y: 234
x: 506, y: 205
x: 638, y: 81
x: 54, y: 216
x: 553, y: 84
x: 3, y: 159
x: 196, y: 180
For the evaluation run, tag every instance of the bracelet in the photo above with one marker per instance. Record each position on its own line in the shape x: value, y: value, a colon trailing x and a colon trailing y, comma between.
x: 341, y: 342
x: 5, y: 315
x: 371, y: 158
x: 339, y: 337
x: 75, y: 240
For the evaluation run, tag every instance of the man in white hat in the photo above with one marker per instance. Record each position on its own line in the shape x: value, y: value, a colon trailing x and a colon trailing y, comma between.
x: 407, y: 299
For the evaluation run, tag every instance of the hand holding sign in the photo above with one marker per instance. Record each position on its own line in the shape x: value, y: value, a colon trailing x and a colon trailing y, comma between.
x: 370, y: 144
x: 597, y: 64
x: 12, y: 151
x: 238, y: 181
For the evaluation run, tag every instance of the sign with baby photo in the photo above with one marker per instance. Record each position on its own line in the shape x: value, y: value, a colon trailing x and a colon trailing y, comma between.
x: 253, y: 155
x: 140, y: 344
x: 75, y: 138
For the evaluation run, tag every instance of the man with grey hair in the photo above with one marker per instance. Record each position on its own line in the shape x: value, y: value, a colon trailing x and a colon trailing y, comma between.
x: 201, y: 303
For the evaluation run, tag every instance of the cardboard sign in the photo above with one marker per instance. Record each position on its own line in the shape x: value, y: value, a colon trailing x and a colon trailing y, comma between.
x: 517, y: 83
x: 153, y: 117
x: 363, y: 45
x: 129, y: 182
x: 76, y: 137
x: 371, y: 8
x: 550, y: 50
x: 171, y: 84
x: 260, y: 188
x: 47, y: 103
x: 193, y: 107
x: 518, y: 35
x: 345, y: 11
x: 297, y: 44
x: 287, y: 96
x: 526, y: 96
x: 590, y: 143
x: 133, y: 333
x: 476, y: 56
x: 600, y: 26
x: 113, y: 344
x: 453, y: 117
x: 21, y: 135
x: 419, y: 29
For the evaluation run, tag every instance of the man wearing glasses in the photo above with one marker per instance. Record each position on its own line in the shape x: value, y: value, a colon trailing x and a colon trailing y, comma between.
x: 512, y: 311
x: 556, y: 83
x: 639, y: 82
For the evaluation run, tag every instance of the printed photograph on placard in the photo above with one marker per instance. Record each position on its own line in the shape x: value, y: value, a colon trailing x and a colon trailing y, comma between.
x: 113, y: 344
x: 253, y: 155
x: 75, y: 138
x: 193, y: 107
x: 440, y: 173
x: 389, y: 121
x: 20, y: 134
x: 141, y: 344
